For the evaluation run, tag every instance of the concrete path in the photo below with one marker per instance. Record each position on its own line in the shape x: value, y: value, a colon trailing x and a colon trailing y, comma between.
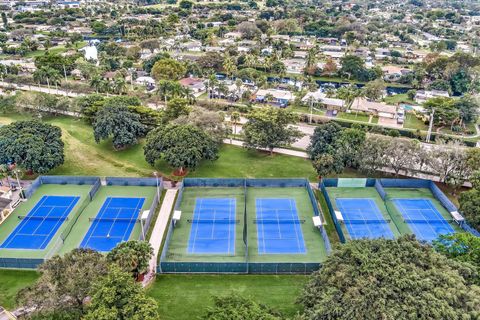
x: 158, y: 230
x: 295, y: 153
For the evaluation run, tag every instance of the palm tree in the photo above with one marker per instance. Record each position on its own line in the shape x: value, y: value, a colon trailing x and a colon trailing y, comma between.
x: 229, y: 65
x: 212, y: 82
x: 238, y: 85
x: 234, y: 118
x: 119, y: 85
x: 311, y: 61
x: 251, y: 60
x: 96, y: 83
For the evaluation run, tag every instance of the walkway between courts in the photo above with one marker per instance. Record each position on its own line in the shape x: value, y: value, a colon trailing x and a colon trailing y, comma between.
x: 158, y: 231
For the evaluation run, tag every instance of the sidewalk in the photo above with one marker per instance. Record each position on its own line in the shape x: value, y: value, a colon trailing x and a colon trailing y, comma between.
x: 158, y: 231
x: 289, y: 152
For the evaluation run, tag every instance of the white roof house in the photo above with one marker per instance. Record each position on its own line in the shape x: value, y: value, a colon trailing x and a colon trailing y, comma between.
x: 320, y: 98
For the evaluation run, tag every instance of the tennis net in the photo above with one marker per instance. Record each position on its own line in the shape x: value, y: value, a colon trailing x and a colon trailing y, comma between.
x: 427, y: 220
x: 278, y: 221
x: 114, y: 220
x: 42, y: 218
x: 366, y: 221
x: 214, y: 221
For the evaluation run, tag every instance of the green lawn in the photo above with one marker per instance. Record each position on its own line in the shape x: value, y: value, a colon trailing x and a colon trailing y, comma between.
x: 399, y: 98
x: 12, y: 281
x: 412, y: 122
x: 84, y: 157
x: 186, y: 297
x: 353, y: 116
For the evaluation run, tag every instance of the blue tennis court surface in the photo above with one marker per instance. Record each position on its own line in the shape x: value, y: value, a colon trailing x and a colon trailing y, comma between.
x: 363, y: 219
x: 423, y: 218
x: 278, y: 227
x: 113, y: 224
x: 38, y: 227
x: 213, y: 226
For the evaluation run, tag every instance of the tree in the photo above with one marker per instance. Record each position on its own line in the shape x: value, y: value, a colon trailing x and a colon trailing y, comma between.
x: 374, y: 153
x: 248, y: 30
x: 237, y: 307
x: 211, y: 122
x: 445, y: 111
x: 348, y: 93
x: 326, y: 164
x: 460, y: 246
x: 323, y: 139
x: 187, y: 5
x: 176, y: 108
x: 349, y: 146
x: 168, y: 69
x: 118, y: 297
x: 150, y: 44
x: 181, y: 146
x: 119, y: 123
x: 390, y: 279
x: 330, y: 67
x: 235, y: 119
x: 400, y: 154
x: 467, y: 107
x: 132, y: 256
x: 374, y: 89
x: 229, y: 65
x: 449, y: 160
x: 270, y: 128
x: 65, y: 282
x: 33, y: 145
x: 470, y: 207
x: 351, y: 66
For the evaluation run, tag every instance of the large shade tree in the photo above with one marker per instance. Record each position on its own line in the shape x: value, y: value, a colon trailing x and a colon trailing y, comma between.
x: 391, y: 279
x: 117, y: 297
x: 269, y: 128
x: 31, y: 144
x: 119, y: 123
x: 65, y: 283
x: 181, y: 146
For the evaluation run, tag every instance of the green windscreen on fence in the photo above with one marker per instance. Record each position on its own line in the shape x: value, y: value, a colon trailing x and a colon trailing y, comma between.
x: 352, y: 182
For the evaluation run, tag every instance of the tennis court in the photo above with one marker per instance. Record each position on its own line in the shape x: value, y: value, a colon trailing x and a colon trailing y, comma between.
x: 113, y: 224
x: 213, y: 226
x: 423, y: 218
x: 278, y: 226
x: 363, y: 218
x: 38, y: 227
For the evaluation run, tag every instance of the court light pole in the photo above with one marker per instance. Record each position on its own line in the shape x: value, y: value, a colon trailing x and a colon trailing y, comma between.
x: 18, y: 182
x: 155, y: 173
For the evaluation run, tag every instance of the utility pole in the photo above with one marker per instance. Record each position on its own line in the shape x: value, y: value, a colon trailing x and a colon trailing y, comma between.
x: 311, y: 110
x: 430, y: 126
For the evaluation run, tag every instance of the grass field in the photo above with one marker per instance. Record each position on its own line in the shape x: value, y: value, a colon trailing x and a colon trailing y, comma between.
x: 12, y: 281
x: 84, y: 157
x: 187, y: 297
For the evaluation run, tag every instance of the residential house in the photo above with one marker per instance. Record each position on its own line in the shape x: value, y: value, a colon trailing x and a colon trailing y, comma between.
x: 394, y: 73
x: 379, y: 109
x: 196, y: 85
x: 423, y: 95
x: 274, y: 96
x: 295, y: 66
x: 319, y: 97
